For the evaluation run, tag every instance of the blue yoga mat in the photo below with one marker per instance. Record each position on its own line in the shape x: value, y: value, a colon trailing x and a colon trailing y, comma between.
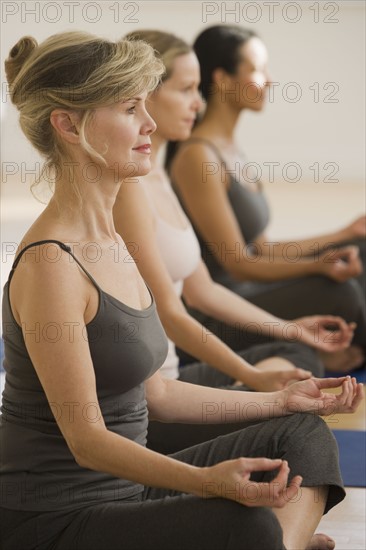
x: 352, y: 456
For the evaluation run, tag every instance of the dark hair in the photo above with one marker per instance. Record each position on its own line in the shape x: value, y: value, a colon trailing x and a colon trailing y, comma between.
x: 218, y: 47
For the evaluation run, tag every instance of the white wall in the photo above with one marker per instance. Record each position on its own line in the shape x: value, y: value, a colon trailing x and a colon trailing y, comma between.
x: 323, y: 48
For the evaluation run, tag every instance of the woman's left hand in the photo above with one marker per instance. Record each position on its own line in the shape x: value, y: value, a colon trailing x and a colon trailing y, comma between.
x: 325, y: 332
x: 307, y: 396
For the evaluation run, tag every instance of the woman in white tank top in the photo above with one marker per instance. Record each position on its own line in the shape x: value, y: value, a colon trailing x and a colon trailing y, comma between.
x: 164, y: 246
x: 147, y: 213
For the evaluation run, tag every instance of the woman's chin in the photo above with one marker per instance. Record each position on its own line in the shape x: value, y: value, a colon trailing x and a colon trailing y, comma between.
x: 142, y: 169
x: 257, y: 106
x: 181, y: 136
x: 133, y: 170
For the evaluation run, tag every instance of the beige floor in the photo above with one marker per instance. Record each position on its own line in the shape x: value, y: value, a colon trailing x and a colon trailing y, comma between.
x: 346, y: 522
x: 355, y: 421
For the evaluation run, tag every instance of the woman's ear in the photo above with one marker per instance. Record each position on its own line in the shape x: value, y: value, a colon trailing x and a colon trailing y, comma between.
x: 219, y: 76
x: 221, y: 81
x: 66, y: 124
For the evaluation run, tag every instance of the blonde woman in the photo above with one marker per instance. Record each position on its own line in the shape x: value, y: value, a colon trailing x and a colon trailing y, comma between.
x: 83, y: 343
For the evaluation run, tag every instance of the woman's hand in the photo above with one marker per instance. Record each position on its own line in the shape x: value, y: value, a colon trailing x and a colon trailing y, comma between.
x: 340, y: 264
x: 231, y: 480
x: 278, y: 379
x: 325, y: 332
x: 307, y: 396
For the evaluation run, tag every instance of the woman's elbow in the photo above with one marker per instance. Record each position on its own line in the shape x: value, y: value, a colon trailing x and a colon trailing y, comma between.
x: 191, y: 300
x: 80, y: 455
x: 81, y: 445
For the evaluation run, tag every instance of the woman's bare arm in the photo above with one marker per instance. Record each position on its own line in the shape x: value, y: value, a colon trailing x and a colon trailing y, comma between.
x: 201, y: 183
x: 217, y: 301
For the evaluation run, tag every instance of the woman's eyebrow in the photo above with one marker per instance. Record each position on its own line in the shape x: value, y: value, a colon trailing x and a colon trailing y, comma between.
x: 132, y: 99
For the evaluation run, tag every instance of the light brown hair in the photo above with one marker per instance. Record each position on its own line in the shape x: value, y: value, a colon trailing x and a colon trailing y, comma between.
x: 78, y: 71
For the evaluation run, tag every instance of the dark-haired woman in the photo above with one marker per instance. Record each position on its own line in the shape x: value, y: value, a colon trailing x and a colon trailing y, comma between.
x: 230, y: 213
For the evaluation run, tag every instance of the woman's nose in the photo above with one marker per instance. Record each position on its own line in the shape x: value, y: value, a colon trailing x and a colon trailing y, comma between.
x: 149, y: 125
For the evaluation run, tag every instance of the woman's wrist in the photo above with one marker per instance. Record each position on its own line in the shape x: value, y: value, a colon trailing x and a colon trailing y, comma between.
x: 280, y: 403
x: 250, y: 376
x: 200, y: 483
x: 321, y: 265
x: 292, y: 331
x: 343, y: 235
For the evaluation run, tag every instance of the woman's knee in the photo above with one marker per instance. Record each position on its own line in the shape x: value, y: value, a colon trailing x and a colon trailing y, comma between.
x: 302, y: 356
x: 350, y: 299
x: 309, y: 443
x: 305, y: 424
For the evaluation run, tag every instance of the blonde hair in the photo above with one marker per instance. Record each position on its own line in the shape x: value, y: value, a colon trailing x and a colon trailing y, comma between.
x: 78, y: 71
x: 167, y: 46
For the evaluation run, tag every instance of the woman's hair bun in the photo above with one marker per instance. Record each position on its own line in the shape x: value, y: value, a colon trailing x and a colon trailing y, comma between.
x: 17, y: 57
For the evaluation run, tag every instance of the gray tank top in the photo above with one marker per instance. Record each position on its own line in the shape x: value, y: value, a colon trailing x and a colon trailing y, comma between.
x: 250, y: 209
x: 38, y: 471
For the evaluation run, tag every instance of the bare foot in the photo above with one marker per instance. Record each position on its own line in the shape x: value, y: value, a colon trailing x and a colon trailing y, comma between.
x: 320, y: 541
x: 345, y: 360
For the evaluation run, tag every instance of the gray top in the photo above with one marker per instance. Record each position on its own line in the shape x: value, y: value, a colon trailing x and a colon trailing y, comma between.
x: 250, y: 209
x: 38, y: 471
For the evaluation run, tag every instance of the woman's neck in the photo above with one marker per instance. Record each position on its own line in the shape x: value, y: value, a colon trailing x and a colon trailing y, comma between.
x: 91, y: 214
x: 219, y: 121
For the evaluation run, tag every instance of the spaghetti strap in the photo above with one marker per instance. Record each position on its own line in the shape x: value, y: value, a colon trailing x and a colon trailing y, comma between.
x: 209, y: 144
x: 216, y: 150
x: 63, y: 246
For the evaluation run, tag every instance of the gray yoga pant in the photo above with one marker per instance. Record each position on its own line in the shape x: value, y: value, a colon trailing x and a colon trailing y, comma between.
x: 165, y: 519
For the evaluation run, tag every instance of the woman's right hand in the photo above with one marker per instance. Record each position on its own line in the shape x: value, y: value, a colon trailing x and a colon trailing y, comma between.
x: 231, y: 480
x: 308, y: 397
x: 341, y: 264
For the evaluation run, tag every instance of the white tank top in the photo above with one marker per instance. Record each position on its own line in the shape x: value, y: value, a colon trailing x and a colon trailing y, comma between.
x: 180, y: 251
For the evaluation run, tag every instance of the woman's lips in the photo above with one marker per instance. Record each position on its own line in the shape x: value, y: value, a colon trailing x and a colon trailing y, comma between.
x: 146, y: 149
